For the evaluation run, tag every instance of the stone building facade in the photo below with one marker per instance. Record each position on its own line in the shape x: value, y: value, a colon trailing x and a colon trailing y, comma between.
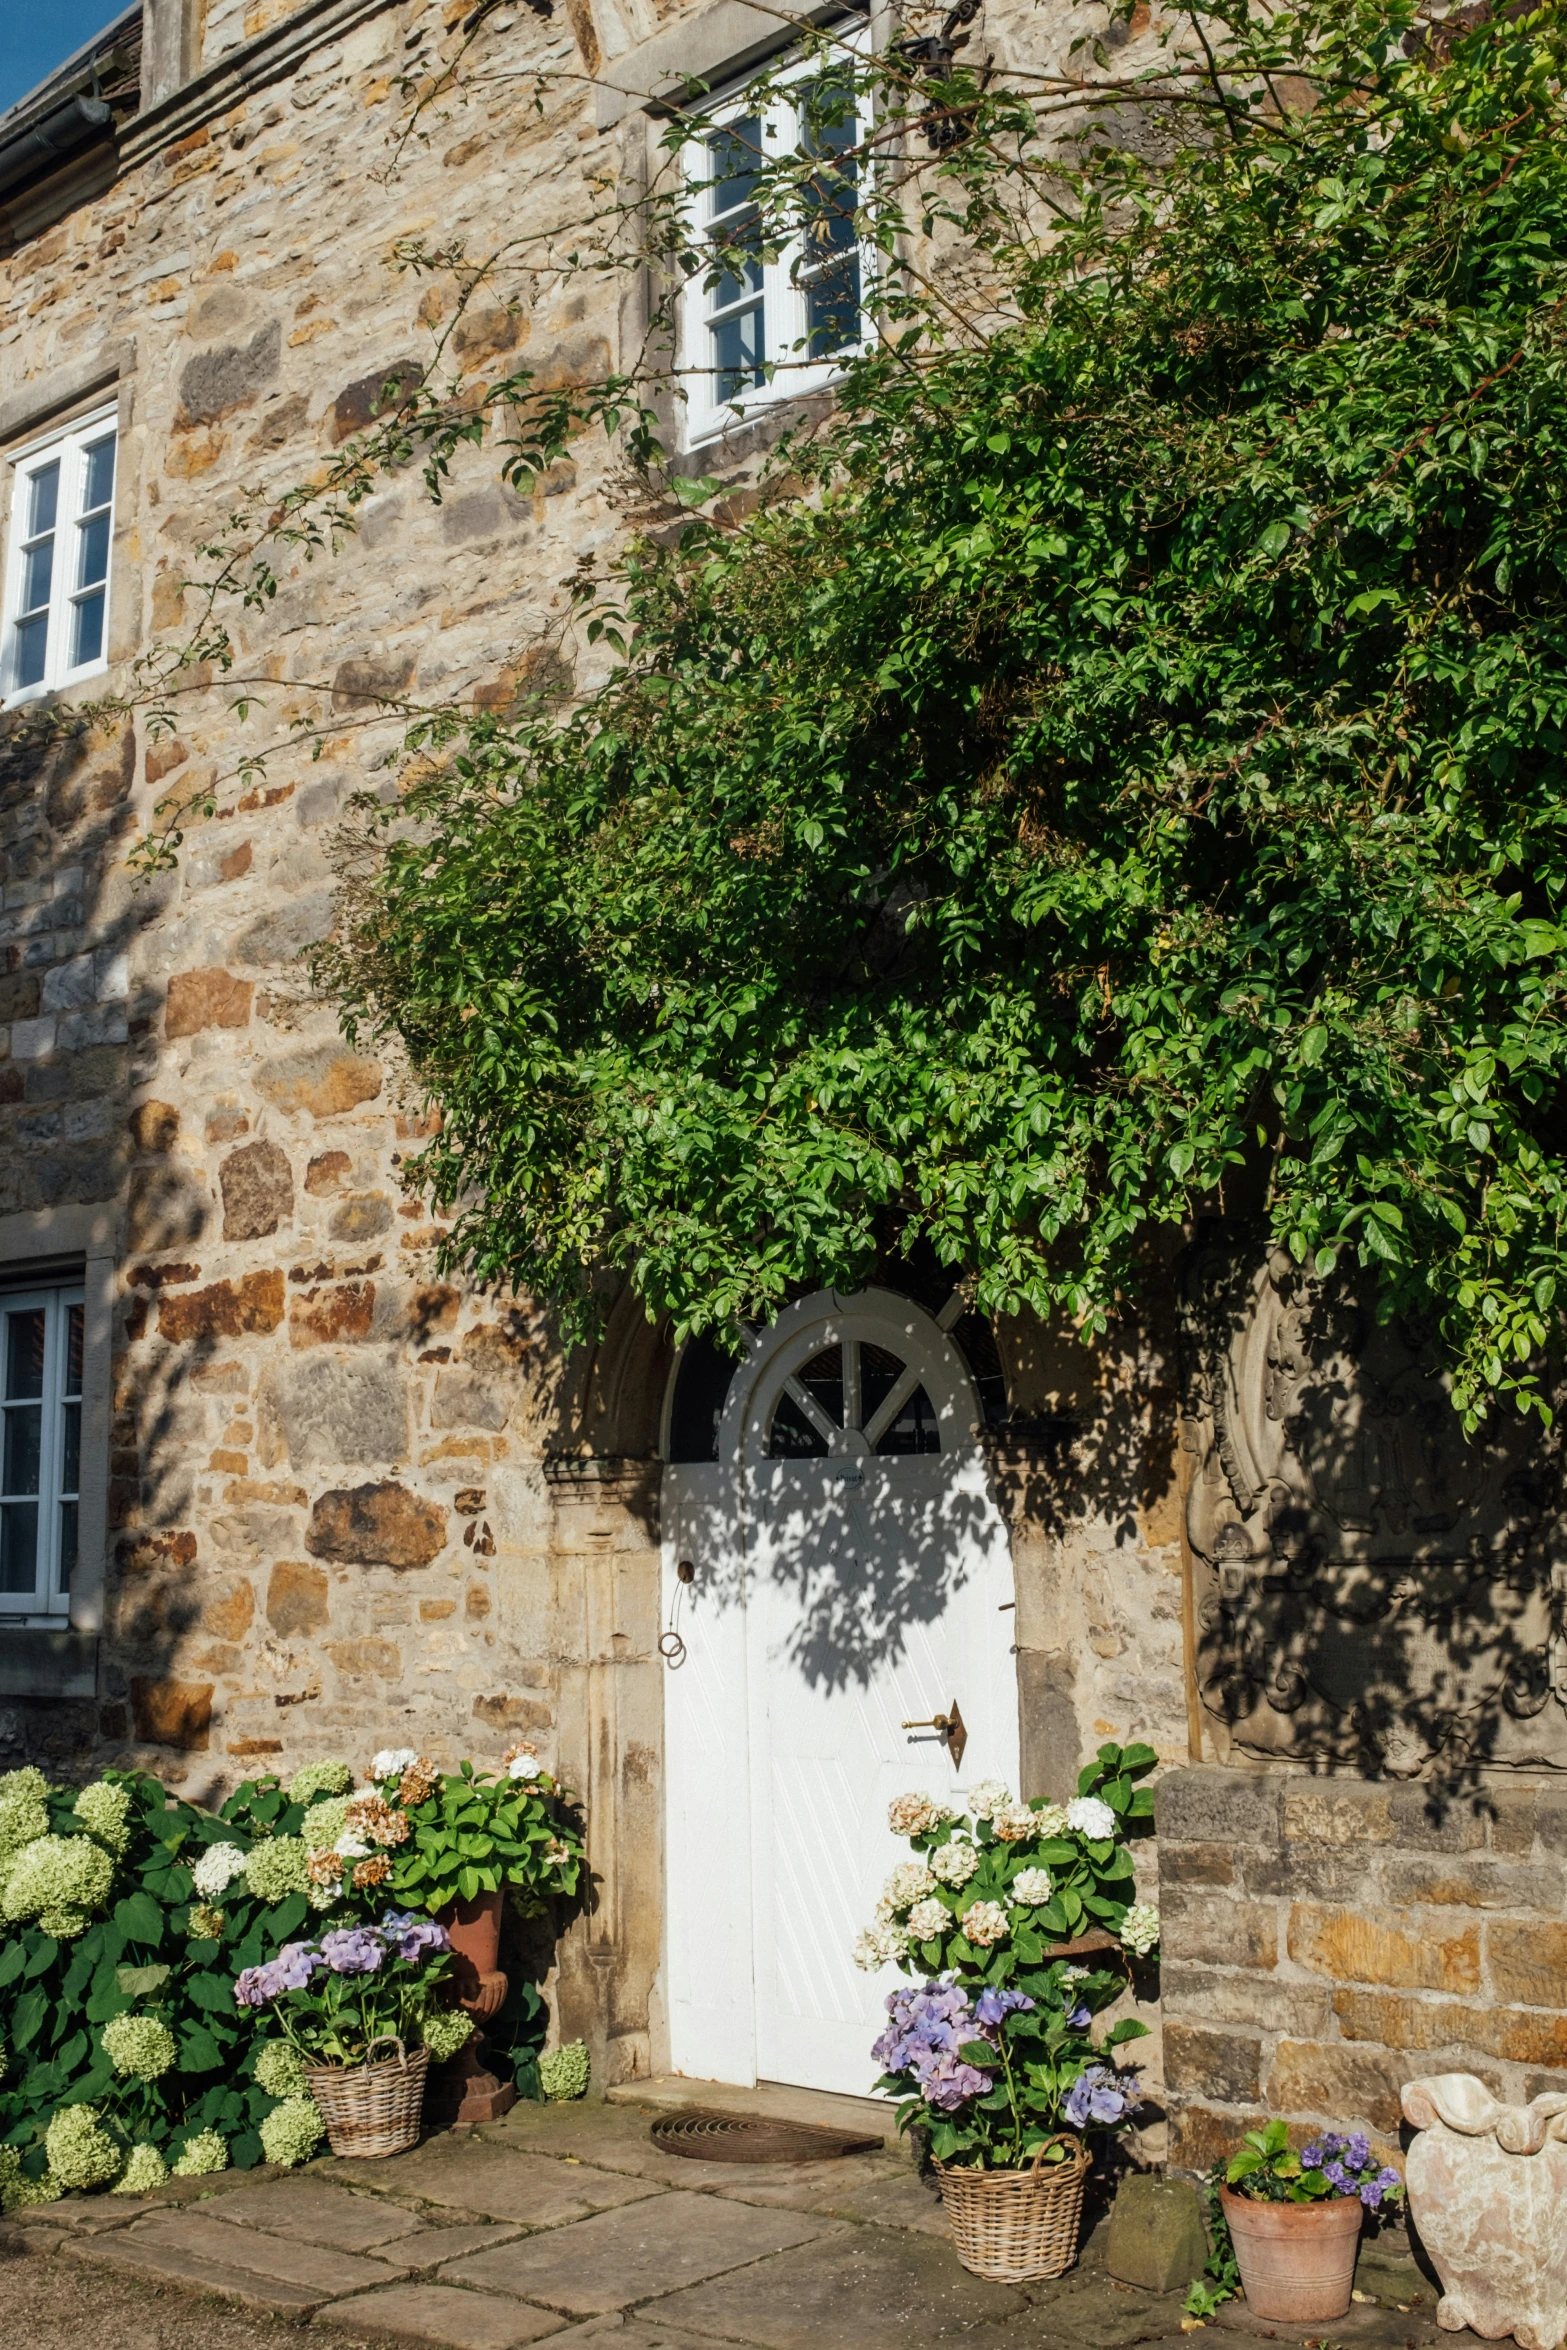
x: 329, y: 1498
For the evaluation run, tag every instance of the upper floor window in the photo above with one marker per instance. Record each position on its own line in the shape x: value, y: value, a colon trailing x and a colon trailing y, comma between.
x: 41, y: 1344
x: 56, y: 611
x: 780, y: 304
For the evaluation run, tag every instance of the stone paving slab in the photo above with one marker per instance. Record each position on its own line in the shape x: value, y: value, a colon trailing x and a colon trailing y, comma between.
x: 318, y: 2213
x: 278, y: 2273
x: 442, y: 2314
x: 621, y: 2257
x: 616, y: 2138
x: 165, y: 2266
x: 904, y: 2201
x: 500, y: 2182
x: 640, y: 2330
x: 864, y: 2289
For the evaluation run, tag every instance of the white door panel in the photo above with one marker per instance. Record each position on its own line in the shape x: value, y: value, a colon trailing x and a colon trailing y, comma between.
x: 841, y: 1594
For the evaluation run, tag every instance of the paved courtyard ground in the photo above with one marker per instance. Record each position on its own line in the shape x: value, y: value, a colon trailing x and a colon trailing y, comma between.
x: 566, y: 2224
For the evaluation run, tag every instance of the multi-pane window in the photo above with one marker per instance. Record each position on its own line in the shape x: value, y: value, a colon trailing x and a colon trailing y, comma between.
x: 781, y: 301
x: 57, y: 573
x: 41, y: 1333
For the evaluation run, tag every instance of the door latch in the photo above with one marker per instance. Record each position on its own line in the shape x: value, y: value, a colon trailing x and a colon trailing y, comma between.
x: 950, y: 1728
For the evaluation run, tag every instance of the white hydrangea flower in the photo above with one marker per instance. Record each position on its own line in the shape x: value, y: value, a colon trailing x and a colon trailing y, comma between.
x: 879, y: 1946
x: 1074, y: 1974
x: 1140, y: 1928
x: 1050, y: 1820
x: 216, y: 1870
x: 524, y: 1766
x: 910, y: 1881
x: 985, y: 1924
x: 929, y: 1920
x: 916, y: 1815
x: 1088, y: 1816
x: 391, y: 1761
x: 954, y: 1863
x: 1016, y: 1823
x: 1030, y: 1887
x: 989, y: 1796
x: 351, y: 1846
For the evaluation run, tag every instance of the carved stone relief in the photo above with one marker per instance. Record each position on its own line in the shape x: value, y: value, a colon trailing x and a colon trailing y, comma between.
x: 1372, y: 1587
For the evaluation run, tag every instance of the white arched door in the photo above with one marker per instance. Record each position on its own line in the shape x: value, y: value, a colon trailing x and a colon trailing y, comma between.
x: 851, y: 1580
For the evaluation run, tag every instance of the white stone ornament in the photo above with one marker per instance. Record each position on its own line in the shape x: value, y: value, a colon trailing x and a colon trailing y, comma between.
x: 1488, y: 2193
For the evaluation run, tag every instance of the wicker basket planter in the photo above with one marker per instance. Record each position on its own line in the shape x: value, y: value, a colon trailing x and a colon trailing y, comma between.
x: 1014, y: 2225
x: 372, y: 2109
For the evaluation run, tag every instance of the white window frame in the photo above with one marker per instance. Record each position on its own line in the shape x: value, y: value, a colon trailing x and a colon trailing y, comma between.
x: 46, y: 1602
x: 784, y: 310
x: 69, y: 445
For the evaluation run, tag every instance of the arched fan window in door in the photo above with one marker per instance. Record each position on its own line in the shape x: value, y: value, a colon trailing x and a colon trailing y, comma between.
x: 857, y: 1386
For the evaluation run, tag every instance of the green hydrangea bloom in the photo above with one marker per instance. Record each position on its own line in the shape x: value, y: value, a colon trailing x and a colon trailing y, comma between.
x: 59, y: 1880
x: 292, y: 2131
x: 276, y: 1869
x: 80, y: 2153
x: 324, y: 1823
x: 331, y: 1776
x: 105, y: 1812
x: 563, y: 2072
x: 24, y: 1816
x: 145, y: 2170
x: 447, y: 2031
x: 24, y: 2191
x: 205, y: 1924
x: 26, y: 1785
x: 139, y: 2045
x: 280, y: 2069
x: 200, y: 2155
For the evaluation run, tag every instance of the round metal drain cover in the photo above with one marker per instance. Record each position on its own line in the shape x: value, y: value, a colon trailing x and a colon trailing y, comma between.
x: 734, y: 2137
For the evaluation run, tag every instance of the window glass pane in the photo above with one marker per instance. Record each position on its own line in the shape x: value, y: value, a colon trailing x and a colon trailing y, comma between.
x: 71, y: 1449
x: 19, y: 1546
x: 23, y: 1446
x: 87, y: 630
x: 37, y: 575
x: 92, y: 551
x: 822, y: 1380
x: 915, y: 1429
x: 733, y: 155
x: 43, y: 499
x: 737, y: 352
x: 792, y: 1437
x: 67, y: 1545
x: 75, y: 1326
x: 880, y: 1372
x: 24, y: 1355
x: 32, y: 645
x: 733, y: 286
x: 832, y: 308
x: 98, y: 484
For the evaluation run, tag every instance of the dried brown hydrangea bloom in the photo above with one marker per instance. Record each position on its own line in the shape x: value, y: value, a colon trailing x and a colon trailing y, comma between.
x: 373, y: 1871
x: 324, y: 1868
x: 373, y: 1816
x: 417, y: 1783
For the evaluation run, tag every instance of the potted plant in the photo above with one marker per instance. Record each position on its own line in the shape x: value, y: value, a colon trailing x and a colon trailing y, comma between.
x: 1294, y: 2218
x: 361, y: 1988
x: 993, y: 2052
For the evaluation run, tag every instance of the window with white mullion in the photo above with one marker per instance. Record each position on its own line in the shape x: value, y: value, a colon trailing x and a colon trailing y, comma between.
x: 764, y: 324
x: 41, y: 1347
x: 57, y: 576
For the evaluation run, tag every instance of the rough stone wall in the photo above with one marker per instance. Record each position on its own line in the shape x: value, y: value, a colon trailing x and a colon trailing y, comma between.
x: 1328, y: 1939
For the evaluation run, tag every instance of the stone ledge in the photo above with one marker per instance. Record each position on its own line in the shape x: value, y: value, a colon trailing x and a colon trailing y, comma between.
x: 721, y: 42
x: 270, y: 57
x: 36, y: 1663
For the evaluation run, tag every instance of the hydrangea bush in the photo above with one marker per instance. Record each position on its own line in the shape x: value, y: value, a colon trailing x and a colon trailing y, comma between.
x: 993, y: 2053
x: 336, y: 1997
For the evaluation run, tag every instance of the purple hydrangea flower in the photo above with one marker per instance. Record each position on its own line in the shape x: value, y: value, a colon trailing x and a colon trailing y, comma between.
x: 1311, y: 2157
x: 291, y: 1970
x: 928, y: 2025
x: 1388, y: 2177
x: 991, y: 2006
x: 1370, y: 2194
x: 1080, y: 2018
x: 1358, y: 2151
x: 412, y: 1937
x: 353, y: 1950
x: 1338, y: 2174
x: 1098, y: 2096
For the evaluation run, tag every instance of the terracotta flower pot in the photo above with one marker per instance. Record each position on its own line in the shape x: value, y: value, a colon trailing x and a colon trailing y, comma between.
x: 466, y: 2091
x: 1297, y: 2260
x: 474, y: 1928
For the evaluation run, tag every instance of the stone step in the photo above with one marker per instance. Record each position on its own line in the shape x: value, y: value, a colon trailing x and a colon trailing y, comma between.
x: 767, y: 2101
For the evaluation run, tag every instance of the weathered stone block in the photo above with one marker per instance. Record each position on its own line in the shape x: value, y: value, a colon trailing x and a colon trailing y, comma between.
x: 1225, y: 1933
x: 1333, y: 1872
x: 1518, y: 2037
x: 1382, y: 1946
x: 369, y: 396
x: 297, y: 1597
x: 327, y: 1174
x: 1222, y: 2065
x: 258, y: 1191
x: 1156, y: 2237
x: 172, y: 1713
x: 1434, y: 1821
x: 214, y: 382
x: 1323, y: 2077
x: 1210, y: 1806
x: 504, y: 1712
x: 1528, y: 1960
x: 331, y: 1408
x: 229, y: 1309
x: 377, y: 1525
x: 1341, y: 1812
x: 360, y: 1658
x: 322, y: 1080
x: 1211, y: 1995
x: 206, y: 999
x: 1199, y: 2137
x: 154, y: 1126
x: 361, y: 1218
x: 332, y: 1317
x: 1475, y: 1880
x: 1196, y: 1864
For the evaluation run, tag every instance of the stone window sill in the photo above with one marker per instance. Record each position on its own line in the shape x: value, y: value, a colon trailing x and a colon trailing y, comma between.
x: 39, y: 1663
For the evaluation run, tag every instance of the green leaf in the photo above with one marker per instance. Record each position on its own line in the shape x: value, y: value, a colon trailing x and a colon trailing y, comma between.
x: 137, y: 1981
x: 140, y: 1919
